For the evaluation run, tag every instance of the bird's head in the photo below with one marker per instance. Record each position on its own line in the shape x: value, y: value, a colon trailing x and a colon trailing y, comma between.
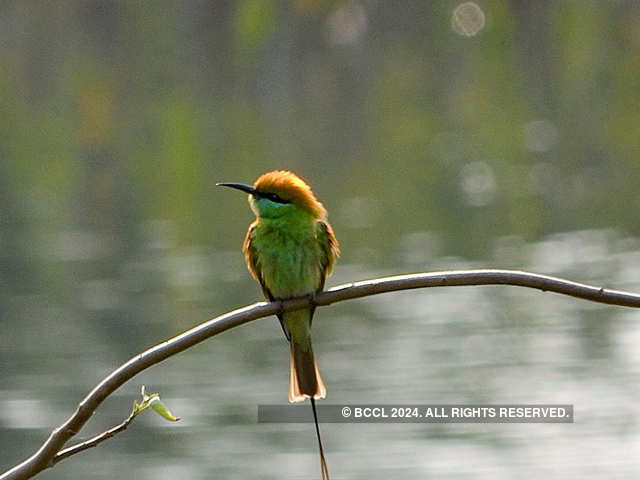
x: 281, y: 192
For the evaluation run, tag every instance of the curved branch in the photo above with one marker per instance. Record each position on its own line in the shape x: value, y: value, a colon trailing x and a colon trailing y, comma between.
x: 44, y: 457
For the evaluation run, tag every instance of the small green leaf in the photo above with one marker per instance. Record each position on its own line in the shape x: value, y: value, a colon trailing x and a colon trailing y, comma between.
x: 152, y: 401
x: 161, y: 409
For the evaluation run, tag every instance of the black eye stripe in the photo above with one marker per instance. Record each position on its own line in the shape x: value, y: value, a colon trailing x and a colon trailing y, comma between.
x: 273, y: 197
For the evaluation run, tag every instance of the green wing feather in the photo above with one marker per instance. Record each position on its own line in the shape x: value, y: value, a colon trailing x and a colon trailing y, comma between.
x: 253, y: 260
x: 330, y: 249
x: 253, y: 264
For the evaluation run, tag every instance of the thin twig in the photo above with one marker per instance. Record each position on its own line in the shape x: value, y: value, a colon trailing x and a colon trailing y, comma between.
x: 46, y: 455
x: 92, y: 442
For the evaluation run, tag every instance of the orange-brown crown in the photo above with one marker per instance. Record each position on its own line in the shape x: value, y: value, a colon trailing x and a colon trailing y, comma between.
x: 290, y: 187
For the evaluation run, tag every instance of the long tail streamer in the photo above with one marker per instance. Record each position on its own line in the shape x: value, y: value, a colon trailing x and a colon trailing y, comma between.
x: 323, y: 461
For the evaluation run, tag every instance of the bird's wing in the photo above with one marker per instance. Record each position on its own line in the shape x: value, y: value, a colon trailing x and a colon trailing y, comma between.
x: 330, y: 249
x: 252, y: 259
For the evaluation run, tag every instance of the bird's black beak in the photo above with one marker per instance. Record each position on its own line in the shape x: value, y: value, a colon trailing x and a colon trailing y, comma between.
x: 239, y: 186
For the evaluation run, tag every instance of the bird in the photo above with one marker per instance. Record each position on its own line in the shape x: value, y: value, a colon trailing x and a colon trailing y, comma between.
x: 290, y: 249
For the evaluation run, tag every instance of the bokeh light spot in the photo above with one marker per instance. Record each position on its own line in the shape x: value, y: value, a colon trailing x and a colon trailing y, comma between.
x: 467, y: 19
x: 478, y: 183
x: 347, y: 24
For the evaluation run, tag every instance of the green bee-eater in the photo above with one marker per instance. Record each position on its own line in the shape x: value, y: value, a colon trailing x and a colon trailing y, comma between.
x: 290, y: 249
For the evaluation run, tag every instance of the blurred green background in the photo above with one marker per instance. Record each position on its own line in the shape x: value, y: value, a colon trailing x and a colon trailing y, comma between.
x: 504, y: 134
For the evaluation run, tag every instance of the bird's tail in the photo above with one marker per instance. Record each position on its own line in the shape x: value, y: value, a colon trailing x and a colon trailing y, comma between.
x: 304, y: 378
x: 323, y: 461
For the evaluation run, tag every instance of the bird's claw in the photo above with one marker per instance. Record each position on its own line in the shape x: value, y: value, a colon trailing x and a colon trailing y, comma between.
x: 312, y: 299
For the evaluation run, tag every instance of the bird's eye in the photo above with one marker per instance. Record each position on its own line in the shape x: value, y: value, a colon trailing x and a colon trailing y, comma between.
x: 274, y: 198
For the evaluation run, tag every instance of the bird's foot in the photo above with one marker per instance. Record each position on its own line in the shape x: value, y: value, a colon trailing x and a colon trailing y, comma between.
x: 312, y: 299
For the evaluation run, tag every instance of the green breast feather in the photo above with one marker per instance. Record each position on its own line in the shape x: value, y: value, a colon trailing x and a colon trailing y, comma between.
x: 289, y: 256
